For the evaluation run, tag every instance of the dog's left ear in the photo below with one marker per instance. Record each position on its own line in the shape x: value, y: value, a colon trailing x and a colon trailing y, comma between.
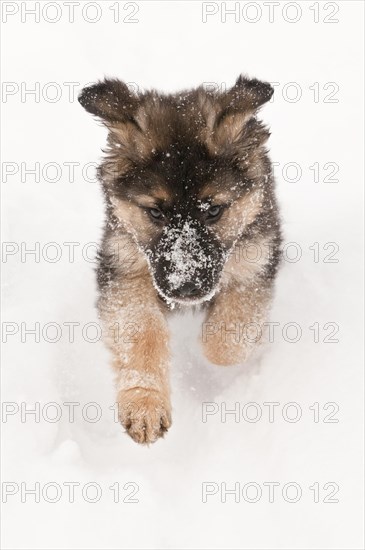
x: 247, y: 95
x: 234, y: 125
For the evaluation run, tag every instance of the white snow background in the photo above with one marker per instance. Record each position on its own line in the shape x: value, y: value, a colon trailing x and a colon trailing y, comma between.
x: 171, y: 48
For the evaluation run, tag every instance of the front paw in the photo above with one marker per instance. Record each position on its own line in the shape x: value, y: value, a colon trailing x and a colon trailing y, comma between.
x: 145, y: 414
x: 224, y: 353
x: 225, y: 349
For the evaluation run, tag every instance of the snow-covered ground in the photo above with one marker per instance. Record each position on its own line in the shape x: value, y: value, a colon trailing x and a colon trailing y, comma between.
x: 174, y: 493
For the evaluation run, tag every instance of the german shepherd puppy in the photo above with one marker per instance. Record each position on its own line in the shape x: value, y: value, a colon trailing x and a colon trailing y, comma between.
x: 189, y: 193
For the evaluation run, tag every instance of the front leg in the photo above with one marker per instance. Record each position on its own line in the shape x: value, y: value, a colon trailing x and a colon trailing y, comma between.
x: 234, y: 322
x: 135, y: 330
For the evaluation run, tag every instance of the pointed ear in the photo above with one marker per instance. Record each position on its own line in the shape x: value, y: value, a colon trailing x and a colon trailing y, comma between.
x: 247, y: 95
x: 117, y: 107
x: 110, y: 100
x: 233, y: 110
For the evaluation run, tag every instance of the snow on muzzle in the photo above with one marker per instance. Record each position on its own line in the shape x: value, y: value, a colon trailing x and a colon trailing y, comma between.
x: 186, y: 261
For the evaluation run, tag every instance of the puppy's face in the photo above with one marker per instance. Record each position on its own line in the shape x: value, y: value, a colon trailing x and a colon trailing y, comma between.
x: 185, y: 175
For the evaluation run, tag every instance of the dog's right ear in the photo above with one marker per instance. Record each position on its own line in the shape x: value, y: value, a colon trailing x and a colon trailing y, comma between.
x: 110, y: 100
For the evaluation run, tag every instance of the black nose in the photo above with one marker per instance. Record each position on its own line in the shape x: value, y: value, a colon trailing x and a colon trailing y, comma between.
x: 188, y: 289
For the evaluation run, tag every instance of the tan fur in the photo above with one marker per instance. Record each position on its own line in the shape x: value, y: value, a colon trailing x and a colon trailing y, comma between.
x: 246, y: 261
x: 133, y: 218
x: 239, y: 215
x: 226, y: 133
x: 126, y: 254
x: 159, y: 194
x: 215, y: 195
x: 141, y: 364
x: 234, y: 325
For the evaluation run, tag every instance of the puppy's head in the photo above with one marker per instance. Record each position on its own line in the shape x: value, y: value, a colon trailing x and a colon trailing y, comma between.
x: 185, y: 174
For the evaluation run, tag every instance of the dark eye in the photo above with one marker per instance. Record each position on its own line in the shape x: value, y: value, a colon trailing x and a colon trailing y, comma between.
x: 155, y: 214
x: 214, y: 212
